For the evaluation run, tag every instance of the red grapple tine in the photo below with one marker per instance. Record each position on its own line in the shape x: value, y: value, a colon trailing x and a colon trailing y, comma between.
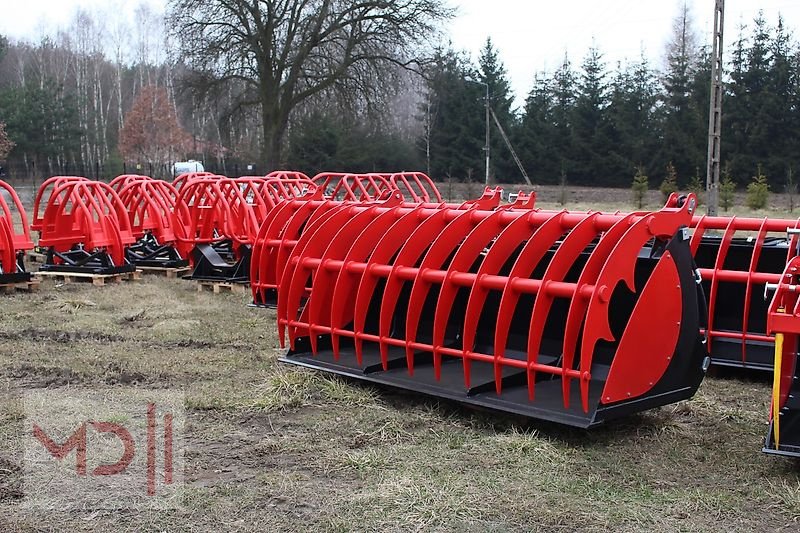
x: 620, y: 267
x: 759, y: 243
x: 319, y: 306
x: 44, y: 199
x: 509, y: 239
x: 408, y: 252
x: 468, y: 252
x: 275, y: 227
x: 296, y: 274
x: 722, y: 253
x: 467, y: 249
x: 281, y: 266
x: 258, y: 263
x: 697, y: 236
x: 306, y: 220
x: 580, y: 302
x: 20, y: 239
x: 542, y: 239
x: 440, y: 246
x: 346, y: 286
x: 395, y: 238
x: 564, y: 258
x: 8, y: 254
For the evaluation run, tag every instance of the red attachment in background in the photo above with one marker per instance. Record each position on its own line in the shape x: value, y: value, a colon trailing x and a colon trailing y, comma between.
x: 416, y: 187
x: 43, y: 196
x: 212, y: 209
x: 151, y: 206
x: 784, y: 317
x: 783, y: 320
x: 287, y: 175
x: 180, y: 181
x: 86, y: 213
x: 283, y: 227
x: 121, y: 181
x: 14, y: 234
x: 746, y: 267
x: 352, y: 187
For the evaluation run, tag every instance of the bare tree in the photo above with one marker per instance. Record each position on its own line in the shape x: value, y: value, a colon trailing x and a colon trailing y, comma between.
x: 288, y: 51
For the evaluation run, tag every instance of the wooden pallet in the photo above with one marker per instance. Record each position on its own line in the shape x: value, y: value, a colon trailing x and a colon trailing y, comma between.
x: 176, y: 272
x: 26, y: 286
x: 96, y: 279
x: 218, y: 286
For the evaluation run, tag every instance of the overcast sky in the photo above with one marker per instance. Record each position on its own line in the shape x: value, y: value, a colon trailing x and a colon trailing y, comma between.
x: 530, y: 35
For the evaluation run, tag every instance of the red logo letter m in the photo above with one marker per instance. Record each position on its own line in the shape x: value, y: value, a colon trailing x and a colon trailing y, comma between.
x: 77, y: 441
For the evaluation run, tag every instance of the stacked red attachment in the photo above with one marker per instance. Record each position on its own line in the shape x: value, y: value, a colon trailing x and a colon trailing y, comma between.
x: 151, y: 206
x: 283, y: 227
x: 575, y: 318
x: 222, y: 217
x: 415, y: 187
x: 83, y: 226
x: 783, y: 321
x: 15, y: 239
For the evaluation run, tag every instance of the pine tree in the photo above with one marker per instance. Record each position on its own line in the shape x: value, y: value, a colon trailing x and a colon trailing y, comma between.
x: 727, y: 188
x: 670, y: 183
x: 563, y: 86
x: 632, y: 111
x: 639, y: 187
x: 535, y: 133
x: 758, y: 190
x: 454, y: 107
x: 682, y: 142
x: 591, y: 129
x: 6, y: 144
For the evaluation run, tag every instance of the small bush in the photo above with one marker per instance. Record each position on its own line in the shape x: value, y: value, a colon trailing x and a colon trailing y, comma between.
x: 758, y: 191
x: 726, y: 189
x: 639, y: 187
x: 670, y: 183
x: 696, y: 186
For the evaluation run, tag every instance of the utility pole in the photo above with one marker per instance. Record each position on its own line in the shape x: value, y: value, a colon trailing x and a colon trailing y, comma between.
x: 486, y: 147
x: 715, y: 111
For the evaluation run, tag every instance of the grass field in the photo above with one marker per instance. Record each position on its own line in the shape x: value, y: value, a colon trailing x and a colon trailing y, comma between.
x: 276, y: 448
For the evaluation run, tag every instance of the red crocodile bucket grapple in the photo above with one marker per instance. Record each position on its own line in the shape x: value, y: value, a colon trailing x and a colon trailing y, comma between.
x: 568, y: 317
x: 155, y: 216
x: 83, y: 228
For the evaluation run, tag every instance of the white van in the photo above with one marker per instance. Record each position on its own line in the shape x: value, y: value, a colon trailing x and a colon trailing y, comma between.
x: 184, y: 167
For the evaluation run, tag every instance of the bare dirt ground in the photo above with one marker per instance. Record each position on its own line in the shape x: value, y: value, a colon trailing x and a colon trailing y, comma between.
x: 277, y: 448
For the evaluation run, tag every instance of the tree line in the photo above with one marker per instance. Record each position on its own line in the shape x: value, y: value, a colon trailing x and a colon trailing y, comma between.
x: 327, y: 85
